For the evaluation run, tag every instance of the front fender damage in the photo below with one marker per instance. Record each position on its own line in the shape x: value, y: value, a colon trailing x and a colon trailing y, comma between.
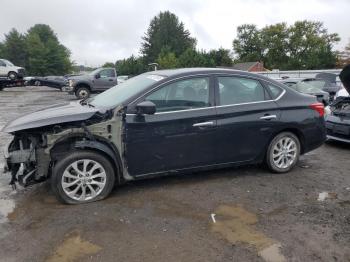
x: 31, y: 156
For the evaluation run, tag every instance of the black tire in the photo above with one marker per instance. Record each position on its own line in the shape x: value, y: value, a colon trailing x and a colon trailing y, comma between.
x: 271, y: 163
x: 61, y: 166
x: 82, y: 92
x: 12, y: 75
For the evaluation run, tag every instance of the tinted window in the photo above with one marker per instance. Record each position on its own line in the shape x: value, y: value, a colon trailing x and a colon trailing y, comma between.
x: 275, y: 90
x: 236, y: 90
x: 107, y: 73
x: 2, y: 63
x: 182, y: 95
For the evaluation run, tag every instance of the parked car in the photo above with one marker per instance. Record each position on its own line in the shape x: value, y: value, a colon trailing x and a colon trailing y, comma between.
x: 7, y: 69
x: 306, y: 88
x: 161, y: 123
x: 98, y: 80
x: 338, y: 117
x: 326, y: 82
x: 51, y: 81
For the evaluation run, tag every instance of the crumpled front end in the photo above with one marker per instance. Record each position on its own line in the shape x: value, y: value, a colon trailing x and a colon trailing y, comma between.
x: 26, y: 159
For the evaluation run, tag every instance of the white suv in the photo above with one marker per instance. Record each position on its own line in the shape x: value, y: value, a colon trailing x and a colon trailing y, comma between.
x: 7, y: 69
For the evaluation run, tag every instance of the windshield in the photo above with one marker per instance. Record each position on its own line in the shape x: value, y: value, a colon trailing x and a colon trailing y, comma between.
x: 92, y: 73
x: 119, y: 93
x: 8, y: 63
x: 306, y: 88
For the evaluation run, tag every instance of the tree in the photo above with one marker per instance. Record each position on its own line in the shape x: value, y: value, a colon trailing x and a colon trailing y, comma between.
x: 130, y: 66
x: 14, y: 48
x: 108, y: 64
x: 343, y: 58
x: 193, y: 58
x: 221, y: 57
x: 165, y: 31
x: 2, y: 50
x: 36, y: 63
x: 167, y: 59
x: 248, y: 45
x: 303, y: 45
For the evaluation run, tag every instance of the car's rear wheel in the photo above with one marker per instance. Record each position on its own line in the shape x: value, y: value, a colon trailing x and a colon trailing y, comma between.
x: 81, y: 177
x: 12, y: 75
x: 82, y: 92
x: 283, y: 152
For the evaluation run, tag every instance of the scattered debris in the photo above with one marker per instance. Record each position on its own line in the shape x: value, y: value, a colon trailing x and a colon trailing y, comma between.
x: 326, y: 195
x: 72, y: 249
x: 213, y: 217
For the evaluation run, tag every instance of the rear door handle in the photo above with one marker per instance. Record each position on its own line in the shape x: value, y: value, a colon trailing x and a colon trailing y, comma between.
x: 268, y: 117
x: 210, y: 123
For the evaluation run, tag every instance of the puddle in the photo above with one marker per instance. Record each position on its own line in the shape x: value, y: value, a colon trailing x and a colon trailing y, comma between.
x: 6, y: 207
x: 237, y: 225
x: 72, y: 249
x: 272, y: 254
x: 326, y: 195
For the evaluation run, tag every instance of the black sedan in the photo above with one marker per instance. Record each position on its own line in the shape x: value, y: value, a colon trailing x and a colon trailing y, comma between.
x: 164, y: 122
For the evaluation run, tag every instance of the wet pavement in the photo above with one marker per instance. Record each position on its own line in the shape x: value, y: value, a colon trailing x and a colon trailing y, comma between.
x: 241, y: 214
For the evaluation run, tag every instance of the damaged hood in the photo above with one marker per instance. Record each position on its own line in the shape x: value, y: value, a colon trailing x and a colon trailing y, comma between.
x: 61, y: 113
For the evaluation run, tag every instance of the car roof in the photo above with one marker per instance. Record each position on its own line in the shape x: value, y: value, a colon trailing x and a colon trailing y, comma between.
x: 190, y: 71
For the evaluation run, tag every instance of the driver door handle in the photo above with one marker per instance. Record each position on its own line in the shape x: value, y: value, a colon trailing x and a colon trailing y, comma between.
x: 268, y: 117
x: 202, y: 124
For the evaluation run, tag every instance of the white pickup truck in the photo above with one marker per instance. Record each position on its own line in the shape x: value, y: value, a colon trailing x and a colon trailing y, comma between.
x: 7, y: 69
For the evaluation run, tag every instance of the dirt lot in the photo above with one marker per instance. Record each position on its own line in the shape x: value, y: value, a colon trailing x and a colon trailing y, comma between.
x: 243, y: 214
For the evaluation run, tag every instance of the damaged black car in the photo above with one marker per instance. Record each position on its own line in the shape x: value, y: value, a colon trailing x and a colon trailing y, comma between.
x: 338, y: 120
x: 161, y: 123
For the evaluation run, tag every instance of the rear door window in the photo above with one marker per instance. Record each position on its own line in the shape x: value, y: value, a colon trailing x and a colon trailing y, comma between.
x: 238, y: 90
x: 275, y: 91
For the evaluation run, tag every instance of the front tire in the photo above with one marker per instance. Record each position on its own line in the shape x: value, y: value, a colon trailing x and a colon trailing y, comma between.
x: 283, y: 152
x: 82, y: 177
x: 12, y: 75
x: 82, y: 92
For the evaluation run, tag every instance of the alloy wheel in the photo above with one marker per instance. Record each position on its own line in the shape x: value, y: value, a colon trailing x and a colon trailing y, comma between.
x: 284, y: 152
x: 83, y: 180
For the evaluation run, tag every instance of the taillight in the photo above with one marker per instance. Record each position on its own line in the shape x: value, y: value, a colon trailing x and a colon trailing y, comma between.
x: 319, y: 107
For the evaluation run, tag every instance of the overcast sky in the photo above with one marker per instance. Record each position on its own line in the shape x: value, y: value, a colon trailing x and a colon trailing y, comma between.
x: 97, y: 31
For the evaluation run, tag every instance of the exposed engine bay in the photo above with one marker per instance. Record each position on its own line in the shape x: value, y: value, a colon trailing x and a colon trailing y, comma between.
x: 341, y: 106
x: 32, y: 153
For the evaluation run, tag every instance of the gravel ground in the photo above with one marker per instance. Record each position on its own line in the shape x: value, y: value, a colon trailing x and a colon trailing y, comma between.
x: 241, y: 214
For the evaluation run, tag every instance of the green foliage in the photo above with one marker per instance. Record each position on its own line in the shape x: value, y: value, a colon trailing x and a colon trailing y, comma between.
x: 130, y: 66
x: 167, y: 59
x: 108, y: 64
x: 14, y: 48
x: 39, y: 51
x: 221, y: 57
x: 303, y: 45
x: 193, y: 58
x: 165, y: 31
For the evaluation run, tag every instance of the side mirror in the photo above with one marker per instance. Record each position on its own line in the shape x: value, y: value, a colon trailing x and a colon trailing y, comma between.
x: 97, y: 76
x: 146, y: 108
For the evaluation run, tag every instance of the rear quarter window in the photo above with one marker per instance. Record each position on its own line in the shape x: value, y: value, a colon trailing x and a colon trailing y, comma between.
x: 275, y: 91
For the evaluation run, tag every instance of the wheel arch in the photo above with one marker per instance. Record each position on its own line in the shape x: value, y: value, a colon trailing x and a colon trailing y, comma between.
x: 81, y: 142
x: 82, y: 84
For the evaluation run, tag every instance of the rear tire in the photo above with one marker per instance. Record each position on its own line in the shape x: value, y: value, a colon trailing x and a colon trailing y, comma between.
x: 283, y: 152
x: 12, y: 75
x: 82, y: 92
x: 82, y: 177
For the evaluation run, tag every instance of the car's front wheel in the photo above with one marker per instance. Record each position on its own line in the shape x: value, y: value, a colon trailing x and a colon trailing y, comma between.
x: 283, y: 152
x: 82, y: 92
x: 12, y: 75
x: 81, y: 177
